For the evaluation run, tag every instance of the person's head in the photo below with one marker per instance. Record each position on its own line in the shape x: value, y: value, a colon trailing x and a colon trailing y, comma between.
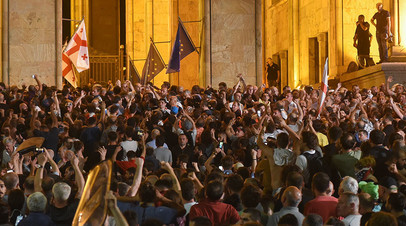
x: 122, y: 188
x: 313, y: 220
x: 348, y: 204
x: 366, y: 203
x: 320, y: 183
x: 182, y: 140
x: 361, y: 18
x: 282, y: 140
x: 250, y: 215
x: 160, y: 140
x: 379, y: 6
x: 16, y: 199
x: 295, y: 179
x: 188, y: 189
x: 362, y: 135
x: 37, y: 202
x: 291, y: 197
x: 382, y: 218
x: 147, y: 192
x: 348, y: 185
x: 269, y: 61
x: 396, y: 202
x: 2, y: 188
x: 250, y: 196
x: 309, y: 141
x: 214, y: 190
x: 10, y: 181
x: 227, y: 162
x: 377, y: 137
x: 200, y: 221
x: 234, y: 184
x: 347, y: 141
x: 61, y: 192
x: 334, y: 133
x: 288, y: 220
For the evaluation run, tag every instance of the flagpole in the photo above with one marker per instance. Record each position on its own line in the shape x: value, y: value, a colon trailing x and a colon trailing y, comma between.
x: 187, y: 33
x: 76, y: 29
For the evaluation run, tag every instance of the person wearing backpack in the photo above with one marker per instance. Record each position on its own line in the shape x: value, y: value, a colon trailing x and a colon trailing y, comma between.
x: 344, y: 162
x: 309, y: 161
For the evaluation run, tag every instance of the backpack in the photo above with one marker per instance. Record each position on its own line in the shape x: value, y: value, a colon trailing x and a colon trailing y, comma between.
x: 314, y: 164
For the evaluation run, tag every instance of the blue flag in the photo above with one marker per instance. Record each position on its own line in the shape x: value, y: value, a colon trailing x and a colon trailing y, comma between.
x: 182, y: 47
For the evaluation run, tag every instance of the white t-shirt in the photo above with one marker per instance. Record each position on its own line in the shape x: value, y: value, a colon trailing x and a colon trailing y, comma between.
x: 129, y: 145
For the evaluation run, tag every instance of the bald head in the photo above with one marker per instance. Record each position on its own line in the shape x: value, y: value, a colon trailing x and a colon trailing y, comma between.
x: 155, y: 133
x: 291, y: 196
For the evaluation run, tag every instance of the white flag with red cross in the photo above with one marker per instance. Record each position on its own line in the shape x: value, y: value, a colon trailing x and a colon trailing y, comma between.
x: 77, y: 50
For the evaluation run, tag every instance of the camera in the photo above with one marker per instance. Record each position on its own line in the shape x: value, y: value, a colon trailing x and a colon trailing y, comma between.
x: 35, y: 151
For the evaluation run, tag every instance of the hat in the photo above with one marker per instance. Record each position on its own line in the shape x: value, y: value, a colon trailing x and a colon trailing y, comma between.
x: 370, y: 188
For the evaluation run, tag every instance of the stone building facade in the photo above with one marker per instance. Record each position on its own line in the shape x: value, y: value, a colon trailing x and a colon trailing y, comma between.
x: 231, y: 36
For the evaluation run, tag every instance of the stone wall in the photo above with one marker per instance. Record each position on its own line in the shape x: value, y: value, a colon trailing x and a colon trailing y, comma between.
x: 233, y: 41
x: 32, y: 42
x: 331, y: 23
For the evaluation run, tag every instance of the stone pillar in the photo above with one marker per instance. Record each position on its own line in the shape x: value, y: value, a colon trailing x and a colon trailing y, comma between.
x: 258, y: 42
x: 207, y: 40
x: 294, y: 75
x: 395, y: 25
x: 284, y: 67
x: 58, y: 43
x: 322, y: 40
x: 5, y: 38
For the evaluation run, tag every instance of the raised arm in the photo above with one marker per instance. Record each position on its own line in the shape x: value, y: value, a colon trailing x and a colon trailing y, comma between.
x: 137, y: 178
x: 39, y: 173
x: 176, y: 185
x: 388, y: 90
x: 38, y: 82
x: 396, y: 109
x: 80, y: 181
x: 54, y: 118
x: 79, y: 99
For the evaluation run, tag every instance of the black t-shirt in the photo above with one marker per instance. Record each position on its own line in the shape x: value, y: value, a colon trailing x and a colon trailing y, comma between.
x: 381, y: 22
x: 65, y: 215
x: 272, y: 71
x: 363, y: 38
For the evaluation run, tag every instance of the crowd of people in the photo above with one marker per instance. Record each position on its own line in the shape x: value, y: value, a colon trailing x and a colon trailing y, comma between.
x: 240, y: 155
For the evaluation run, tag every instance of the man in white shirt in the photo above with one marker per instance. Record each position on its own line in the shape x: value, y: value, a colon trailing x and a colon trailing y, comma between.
x: 129, y: 144
x: 347, y: 207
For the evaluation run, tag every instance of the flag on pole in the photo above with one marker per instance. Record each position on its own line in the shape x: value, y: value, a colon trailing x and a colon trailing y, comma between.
x: 77, y: 50
x: 182, y: 47
x: 67, y: 70
x: 134, y: 72
x: 324, y: 86
x: 153, y: 64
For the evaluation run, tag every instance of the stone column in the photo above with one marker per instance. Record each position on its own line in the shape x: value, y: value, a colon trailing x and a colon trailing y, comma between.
x: 395, y: 25
x: 322, y: 40
x: 284, y: 67
x: 58, y: 43
x: 258, y: 42
x: 5, y: 39
x: 294, y: 76
x: 207, y: 40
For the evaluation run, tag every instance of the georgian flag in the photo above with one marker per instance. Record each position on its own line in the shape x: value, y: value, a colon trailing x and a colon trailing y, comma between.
x: 67, y: 70
x: 324, y: 86
x: 77, y: 50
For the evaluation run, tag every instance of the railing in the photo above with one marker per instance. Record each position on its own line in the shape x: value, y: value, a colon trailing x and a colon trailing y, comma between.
x: 104, y: 68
